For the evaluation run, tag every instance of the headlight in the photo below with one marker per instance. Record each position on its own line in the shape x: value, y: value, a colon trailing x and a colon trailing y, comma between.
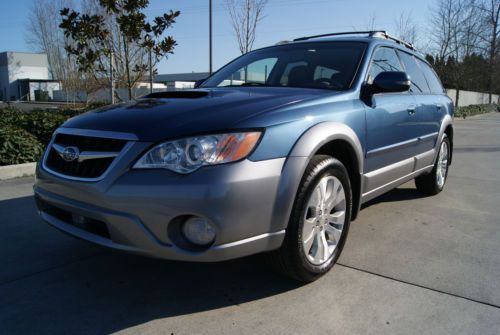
x: 189, y: 154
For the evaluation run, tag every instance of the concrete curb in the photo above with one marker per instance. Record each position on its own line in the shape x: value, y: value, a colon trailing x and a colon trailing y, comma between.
x: 17, y: 171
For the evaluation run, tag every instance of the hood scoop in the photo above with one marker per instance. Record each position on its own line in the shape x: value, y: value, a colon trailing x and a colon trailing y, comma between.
x: 177, y: 95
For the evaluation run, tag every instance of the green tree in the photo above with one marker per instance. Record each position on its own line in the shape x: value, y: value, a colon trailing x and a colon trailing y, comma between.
x: 476, y: 73
x: 118, y: 28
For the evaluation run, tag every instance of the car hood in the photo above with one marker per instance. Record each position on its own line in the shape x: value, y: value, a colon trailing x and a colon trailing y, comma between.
x: 183, y: 113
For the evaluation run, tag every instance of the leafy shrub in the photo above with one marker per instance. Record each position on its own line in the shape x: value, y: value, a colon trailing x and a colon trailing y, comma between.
x: 42, y: 124
x: 24, y: 134
x: 39, y: 123
x: 18, y: 146
x: 475, y: 110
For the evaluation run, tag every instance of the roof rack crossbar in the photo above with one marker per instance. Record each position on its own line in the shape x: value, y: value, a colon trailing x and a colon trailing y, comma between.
x: 370, y: 33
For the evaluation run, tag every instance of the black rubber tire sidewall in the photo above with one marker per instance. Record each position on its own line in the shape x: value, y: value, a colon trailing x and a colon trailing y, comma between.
x: 428, y: 183
x: 319, y: 167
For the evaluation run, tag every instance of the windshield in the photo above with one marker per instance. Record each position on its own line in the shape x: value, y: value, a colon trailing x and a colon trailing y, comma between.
x: 330, y: 65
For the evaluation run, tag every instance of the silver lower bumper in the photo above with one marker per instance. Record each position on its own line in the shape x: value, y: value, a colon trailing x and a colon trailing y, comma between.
x: 137, y: 207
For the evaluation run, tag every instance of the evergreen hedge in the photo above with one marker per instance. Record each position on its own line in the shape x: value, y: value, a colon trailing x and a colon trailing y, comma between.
x: 471, y: 110
x: 23, y: 135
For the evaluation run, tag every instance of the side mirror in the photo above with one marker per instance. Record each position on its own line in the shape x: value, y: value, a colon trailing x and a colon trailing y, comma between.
x: 391, y: 82
x: 199, y: 82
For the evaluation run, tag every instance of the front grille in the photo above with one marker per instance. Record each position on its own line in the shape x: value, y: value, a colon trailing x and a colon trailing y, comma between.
x: 87, y: 169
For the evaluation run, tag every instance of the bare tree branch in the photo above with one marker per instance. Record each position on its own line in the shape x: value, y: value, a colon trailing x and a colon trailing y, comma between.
x: 245, y: 16
x: 406, y: 28
x: 490, y: 11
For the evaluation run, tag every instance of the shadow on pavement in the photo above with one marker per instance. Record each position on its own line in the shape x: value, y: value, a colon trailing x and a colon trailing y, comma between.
x: 79, y: 288
x: 397, y: 194
x: 476, y: 148
x: 64, y: 285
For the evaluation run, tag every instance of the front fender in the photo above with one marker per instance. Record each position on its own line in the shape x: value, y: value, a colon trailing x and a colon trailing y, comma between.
x: 298, y: 159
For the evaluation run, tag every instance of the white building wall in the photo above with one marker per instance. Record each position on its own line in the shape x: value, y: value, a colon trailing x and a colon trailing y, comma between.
x: 467, y: 98
x: 50, y: 87
x: 28, y: 72
x: 20, y: 65
x: 182, y: 85
x: 102, y: 95
x: 144, y: 84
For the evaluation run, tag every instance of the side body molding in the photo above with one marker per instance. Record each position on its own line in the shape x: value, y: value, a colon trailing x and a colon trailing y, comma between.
x: 304, y: 149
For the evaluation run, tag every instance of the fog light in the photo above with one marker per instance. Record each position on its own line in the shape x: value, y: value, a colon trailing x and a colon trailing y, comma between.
x: 198, y: 231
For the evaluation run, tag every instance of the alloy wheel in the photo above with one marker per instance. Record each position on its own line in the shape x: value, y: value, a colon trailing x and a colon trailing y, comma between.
x: 324, y: 220
x: 442, y: 165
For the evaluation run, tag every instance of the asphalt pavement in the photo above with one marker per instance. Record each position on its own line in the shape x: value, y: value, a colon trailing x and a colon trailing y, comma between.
x: 412, y: 265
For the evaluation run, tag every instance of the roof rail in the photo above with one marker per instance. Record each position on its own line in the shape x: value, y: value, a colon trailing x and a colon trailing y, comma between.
x: 370, y: 33
x: 282, y: 42
x: 400, y: 41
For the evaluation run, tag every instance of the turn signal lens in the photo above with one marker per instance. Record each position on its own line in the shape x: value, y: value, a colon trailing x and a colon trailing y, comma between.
x: 233, y: 147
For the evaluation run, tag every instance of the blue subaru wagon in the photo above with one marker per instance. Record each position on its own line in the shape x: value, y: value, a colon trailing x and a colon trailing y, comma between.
x: 273, y: 153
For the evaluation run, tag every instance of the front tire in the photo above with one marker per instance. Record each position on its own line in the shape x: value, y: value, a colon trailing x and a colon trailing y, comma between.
x: 319, y: 222
x: 433, y: 183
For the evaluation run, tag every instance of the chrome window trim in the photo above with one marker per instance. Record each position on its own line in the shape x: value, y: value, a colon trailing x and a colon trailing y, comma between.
x: 89, y: 133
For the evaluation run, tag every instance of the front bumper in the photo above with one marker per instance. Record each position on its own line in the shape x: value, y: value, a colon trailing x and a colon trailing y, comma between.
x: 135, y: 208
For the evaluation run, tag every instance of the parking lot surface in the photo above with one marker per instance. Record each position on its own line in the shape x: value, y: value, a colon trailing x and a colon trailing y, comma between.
x: 412, y: 265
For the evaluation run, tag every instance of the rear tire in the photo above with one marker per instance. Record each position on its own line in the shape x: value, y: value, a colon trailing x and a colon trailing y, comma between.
x: 319, y: 221
x: 433, y: 182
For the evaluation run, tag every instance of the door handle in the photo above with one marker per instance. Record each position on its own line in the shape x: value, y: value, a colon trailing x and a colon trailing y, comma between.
x: 412, y: 109
x: 439, y: 106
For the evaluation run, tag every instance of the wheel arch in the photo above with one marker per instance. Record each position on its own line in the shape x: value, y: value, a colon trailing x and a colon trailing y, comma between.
x: 447, y: 129
x: 346, y: 154
x: 449, y: 132
x: 331, y: 138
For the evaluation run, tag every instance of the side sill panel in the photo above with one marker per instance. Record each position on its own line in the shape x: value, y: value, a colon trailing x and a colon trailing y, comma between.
x: 382, y: 180
x: 389, y: 186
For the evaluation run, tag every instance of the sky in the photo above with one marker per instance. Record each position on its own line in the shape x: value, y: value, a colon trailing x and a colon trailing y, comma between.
x: 283, y: 20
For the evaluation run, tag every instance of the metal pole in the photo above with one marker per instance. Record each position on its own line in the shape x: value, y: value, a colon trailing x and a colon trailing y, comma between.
x: 210, y: 35
x: 111, y: 74
x: 150, y: 71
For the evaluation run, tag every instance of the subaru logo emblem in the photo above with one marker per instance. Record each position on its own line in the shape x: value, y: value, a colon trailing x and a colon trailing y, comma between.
x: 70, y: 154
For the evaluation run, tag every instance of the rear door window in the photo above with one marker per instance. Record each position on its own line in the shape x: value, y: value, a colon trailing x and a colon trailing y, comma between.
x: 418, y: 82
x: 432, y: 79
